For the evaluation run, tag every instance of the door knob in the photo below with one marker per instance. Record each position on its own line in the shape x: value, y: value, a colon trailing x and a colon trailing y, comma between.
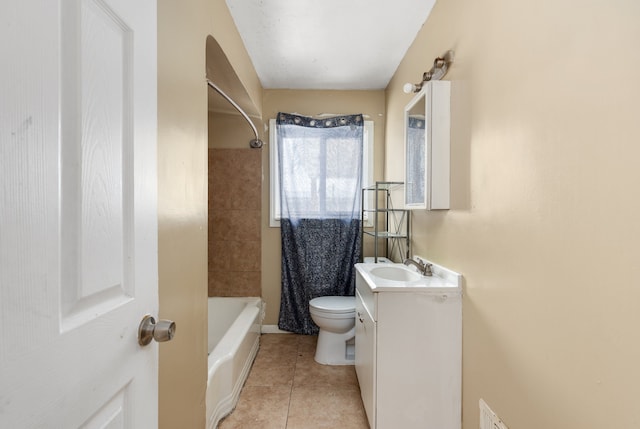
x: 163, y: 330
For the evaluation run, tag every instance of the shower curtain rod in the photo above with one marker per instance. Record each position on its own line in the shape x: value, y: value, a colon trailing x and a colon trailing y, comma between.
x: 255, y: 143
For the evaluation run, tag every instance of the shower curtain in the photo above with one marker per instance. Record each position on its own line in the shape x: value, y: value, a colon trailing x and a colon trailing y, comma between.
x: 320, y: 171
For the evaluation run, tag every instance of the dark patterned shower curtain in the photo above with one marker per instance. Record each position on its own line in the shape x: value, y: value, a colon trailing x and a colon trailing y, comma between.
x: 320, y: 170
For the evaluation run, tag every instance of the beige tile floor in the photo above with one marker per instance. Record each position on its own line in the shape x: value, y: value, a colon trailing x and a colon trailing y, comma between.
x: 287, y: 389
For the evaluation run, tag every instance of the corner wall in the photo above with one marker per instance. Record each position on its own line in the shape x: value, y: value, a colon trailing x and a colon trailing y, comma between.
x: 183, y: 28
x: 182, y: 211
x: 544, y: 212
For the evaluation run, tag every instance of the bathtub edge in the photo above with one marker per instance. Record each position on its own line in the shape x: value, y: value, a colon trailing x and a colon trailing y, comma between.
x: 228, y: 404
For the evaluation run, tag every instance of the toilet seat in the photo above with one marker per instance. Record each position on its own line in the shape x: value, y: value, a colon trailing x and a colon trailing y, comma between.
x: 333, y: 305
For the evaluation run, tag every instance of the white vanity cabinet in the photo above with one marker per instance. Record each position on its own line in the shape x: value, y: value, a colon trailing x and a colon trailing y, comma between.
x: 408, y: 353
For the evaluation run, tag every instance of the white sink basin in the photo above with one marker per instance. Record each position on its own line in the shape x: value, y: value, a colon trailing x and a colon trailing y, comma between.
x: 398, y: 273
x: 392, y: 277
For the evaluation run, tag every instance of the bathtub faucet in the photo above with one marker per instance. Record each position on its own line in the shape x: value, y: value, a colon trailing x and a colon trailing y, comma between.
x: 423, y: 267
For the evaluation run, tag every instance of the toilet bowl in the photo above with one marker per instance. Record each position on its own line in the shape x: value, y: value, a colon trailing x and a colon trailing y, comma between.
x: 336, y: 318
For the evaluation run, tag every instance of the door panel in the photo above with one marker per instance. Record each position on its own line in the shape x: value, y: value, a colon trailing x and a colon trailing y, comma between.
x: 78, y: 217
x: 365, y: 364
x: 97, y: 154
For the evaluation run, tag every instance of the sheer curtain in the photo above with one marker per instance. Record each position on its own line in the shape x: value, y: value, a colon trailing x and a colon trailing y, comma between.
x: 320, y: 162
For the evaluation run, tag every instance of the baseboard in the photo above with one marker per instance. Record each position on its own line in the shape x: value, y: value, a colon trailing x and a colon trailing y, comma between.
x: 273, y: 329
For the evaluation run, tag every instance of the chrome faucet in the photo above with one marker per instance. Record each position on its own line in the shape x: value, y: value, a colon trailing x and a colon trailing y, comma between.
x: 423, y: 267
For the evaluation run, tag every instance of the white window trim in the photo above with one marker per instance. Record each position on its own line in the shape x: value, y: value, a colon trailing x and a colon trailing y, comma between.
x: 274, y: 182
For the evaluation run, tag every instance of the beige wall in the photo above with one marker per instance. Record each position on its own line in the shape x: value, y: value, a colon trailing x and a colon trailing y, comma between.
x: 182, y: 194
x: 182, y: 211
x: 544, y: 222
x: 230, y: 131
x: 309, y: 103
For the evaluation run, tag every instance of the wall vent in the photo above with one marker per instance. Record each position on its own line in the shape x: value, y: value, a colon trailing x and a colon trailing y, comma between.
x: 489, y: 419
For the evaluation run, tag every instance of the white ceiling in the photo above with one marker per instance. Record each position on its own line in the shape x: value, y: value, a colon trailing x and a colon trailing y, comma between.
x: 328, y: 44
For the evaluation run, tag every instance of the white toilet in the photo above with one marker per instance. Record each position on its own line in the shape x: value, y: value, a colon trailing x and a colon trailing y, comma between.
x: 336, y: 318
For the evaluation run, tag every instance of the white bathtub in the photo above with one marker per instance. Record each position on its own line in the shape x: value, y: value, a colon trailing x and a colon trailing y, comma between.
x: 234, y: 337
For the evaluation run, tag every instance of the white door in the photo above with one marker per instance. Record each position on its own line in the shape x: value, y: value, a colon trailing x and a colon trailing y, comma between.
x: 78, y: 228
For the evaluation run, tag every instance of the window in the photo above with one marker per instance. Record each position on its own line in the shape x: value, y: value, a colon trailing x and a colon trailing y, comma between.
x: 367, y: 168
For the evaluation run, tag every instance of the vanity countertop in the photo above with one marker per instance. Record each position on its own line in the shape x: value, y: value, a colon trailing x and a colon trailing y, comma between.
x: 443, y: 280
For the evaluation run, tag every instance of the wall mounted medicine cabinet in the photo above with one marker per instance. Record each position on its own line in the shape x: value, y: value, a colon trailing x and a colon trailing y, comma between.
x: 427, y: 120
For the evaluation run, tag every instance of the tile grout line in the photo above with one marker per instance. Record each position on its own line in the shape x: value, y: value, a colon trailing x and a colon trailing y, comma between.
x: 295, y: 368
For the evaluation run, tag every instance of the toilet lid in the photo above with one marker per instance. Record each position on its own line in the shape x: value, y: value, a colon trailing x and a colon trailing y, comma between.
x: 334, y: 304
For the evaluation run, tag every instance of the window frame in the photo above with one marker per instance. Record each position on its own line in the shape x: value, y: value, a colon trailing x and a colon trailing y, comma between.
x: 274, y: 179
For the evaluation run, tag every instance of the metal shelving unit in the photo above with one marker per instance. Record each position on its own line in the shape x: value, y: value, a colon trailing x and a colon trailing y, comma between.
x: 390, y: 225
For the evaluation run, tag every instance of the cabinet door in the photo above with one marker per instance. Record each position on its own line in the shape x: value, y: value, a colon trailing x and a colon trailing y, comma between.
x: 366, y: 359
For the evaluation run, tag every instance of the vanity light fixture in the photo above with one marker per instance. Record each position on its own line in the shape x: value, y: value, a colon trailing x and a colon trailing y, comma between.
x: 437, y: 72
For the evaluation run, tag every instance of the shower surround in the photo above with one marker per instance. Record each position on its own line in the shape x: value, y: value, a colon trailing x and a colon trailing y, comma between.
x: 235, y: 190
